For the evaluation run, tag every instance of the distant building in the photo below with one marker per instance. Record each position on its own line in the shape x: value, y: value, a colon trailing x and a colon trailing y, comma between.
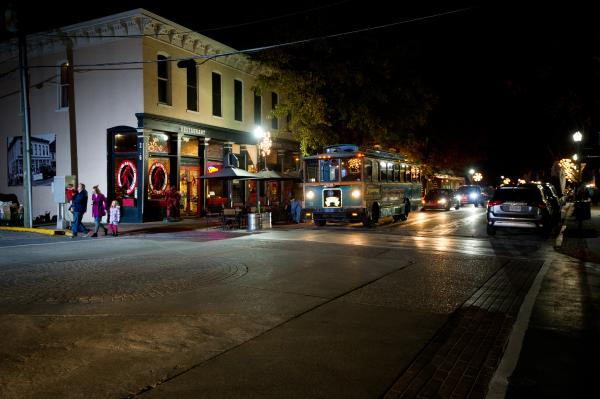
x: 144, y: 122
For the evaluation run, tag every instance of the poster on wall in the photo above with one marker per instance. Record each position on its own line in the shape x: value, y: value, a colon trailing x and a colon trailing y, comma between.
x: 43, y: 159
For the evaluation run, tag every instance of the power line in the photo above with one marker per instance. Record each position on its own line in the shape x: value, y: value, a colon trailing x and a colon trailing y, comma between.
x: 271, y: 47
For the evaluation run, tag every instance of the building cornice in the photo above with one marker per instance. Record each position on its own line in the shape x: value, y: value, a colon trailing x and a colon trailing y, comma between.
x: 138, y: 24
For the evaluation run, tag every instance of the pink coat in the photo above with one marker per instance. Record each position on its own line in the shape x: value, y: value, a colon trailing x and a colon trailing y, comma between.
x: 99, y: 205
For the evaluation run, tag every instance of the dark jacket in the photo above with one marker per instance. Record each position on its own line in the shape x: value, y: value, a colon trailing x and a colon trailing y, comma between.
x: 80, y: 202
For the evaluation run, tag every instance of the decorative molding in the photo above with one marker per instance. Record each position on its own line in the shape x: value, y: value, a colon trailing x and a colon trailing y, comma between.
x: 135, y: 22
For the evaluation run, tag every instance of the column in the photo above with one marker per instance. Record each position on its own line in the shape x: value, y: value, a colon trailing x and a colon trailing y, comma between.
x: 203, y: 154
x: 281, y: 162
x: 228, y: 184
x: 244, y: 165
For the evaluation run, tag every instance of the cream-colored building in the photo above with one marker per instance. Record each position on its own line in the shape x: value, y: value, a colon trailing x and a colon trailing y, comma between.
x: 142, y: 121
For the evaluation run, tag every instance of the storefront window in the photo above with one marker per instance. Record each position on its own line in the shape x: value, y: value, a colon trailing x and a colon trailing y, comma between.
x: 126, y: 142
x: 158, y: 142
x: 158, y: 177
x: 189, y: 146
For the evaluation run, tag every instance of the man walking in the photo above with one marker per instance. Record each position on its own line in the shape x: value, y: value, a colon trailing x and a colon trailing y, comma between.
x: 79, y: 207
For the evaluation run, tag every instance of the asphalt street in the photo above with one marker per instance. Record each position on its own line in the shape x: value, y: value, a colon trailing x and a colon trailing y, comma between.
x: 340, y: 311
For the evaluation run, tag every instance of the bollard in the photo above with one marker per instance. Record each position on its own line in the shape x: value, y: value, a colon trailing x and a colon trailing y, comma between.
x: 253, y: 222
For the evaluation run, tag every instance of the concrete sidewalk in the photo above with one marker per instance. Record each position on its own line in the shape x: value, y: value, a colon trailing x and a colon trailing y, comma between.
x: 562, y: 342
x: 129, y: 229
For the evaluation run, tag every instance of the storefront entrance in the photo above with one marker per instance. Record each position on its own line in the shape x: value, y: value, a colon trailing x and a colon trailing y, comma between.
x: 125, y: 172
x: 189, y: 187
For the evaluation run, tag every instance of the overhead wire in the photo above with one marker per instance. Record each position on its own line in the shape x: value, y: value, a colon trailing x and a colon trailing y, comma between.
x: 271, y: 47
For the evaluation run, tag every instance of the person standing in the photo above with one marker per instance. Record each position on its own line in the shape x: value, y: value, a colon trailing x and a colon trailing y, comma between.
x: 79, y: 207
x: 295, y: 209
x: 114, y: 215
x: 99, y: 206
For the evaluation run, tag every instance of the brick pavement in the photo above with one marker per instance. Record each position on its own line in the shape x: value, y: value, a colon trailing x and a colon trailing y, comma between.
x: 461, y: 359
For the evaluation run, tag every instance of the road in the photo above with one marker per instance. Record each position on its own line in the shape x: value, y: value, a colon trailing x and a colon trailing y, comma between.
x: 306, y: 312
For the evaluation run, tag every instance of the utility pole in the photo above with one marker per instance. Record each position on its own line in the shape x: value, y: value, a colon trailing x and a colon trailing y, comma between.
x: 12, y: 25
x: 72, y: 119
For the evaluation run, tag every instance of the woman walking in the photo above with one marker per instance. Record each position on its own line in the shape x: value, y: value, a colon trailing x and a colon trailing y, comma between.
x: 99, y: 206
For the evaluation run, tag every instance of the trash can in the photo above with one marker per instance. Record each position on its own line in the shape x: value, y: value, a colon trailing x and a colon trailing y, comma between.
x: 253, y: 222
x: 265, y: 222
x: 582, y: 210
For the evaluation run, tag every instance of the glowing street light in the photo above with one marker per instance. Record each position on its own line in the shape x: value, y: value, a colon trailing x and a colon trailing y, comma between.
x: 477, y: 177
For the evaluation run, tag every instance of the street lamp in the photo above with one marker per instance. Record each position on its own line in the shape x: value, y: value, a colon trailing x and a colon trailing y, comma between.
x: 259, y: 133
x: 577, y: 136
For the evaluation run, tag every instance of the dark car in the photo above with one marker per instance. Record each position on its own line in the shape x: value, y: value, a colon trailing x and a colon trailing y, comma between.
x: 521, y: 206
x: 440, y: 198
x: 470, y: 194
x: 555, y: 200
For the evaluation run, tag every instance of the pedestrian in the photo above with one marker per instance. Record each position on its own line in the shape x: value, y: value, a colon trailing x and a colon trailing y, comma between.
x: 114, y: 215
x: 173, y: 199
x: 99, y: 206
x: 79, y: 207
x: 295, y: 209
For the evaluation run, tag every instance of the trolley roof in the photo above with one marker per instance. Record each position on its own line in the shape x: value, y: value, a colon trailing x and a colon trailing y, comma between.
x: 353, y: 150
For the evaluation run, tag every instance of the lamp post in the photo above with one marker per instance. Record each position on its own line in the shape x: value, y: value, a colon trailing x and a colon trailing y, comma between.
x: 259, y: 133
x: 577, y: 136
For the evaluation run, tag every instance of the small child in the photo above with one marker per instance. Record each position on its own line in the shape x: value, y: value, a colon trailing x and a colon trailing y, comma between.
x: 115, y: 217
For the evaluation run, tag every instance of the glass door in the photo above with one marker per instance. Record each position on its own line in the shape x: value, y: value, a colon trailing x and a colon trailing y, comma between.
x: 189, y: 187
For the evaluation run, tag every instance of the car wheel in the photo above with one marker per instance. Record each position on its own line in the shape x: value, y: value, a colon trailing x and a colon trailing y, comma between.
x: 491, y: 230
x: 457, y: 207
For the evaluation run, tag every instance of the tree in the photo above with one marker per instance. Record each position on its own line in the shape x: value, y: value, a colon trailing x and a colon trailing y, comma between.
x: 349, y: 91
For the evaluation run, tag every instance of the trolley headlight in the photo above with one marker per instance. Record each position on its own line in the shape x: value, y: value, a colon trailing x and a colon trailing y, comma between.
x: 355, y: 193
x: 310, y: 195
x: 442, y: 201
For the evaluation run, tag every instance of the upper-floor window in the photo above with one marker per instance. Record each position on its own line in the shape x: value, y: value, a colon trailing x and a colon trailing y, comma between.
x: 192, y: 87
x: 164, y: 96
x: 274, y: 102
x: 63, y: 89
x: 257, y: 109
x: 216, y: 94
x: 237, y: 100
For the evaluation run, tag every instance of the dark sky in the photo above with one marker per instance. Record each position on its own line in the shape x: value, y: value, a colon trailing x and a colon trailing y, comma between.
x: 513, y: 81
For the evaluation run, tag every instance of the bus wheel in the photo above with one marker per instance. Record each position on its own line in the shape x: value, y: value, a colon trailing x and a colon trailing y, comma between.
x: 373, y: 218
x: 320, y: 222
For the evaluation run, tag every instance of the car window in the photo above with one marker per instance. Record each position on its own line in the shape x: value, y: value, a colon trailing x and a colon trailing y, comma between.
x: 518, y: 194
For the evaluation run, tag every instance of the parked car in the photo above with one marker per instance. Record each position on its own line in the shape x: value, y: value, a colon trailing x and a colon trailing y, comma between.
x: 470, y: 194
x: 521, y: 206
x: 555, y: 201
x: 440, y: 198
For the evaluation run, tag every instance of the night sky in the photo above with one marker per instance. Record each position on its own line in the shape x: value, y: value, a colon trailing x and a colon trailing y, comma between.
x: 513, y: 82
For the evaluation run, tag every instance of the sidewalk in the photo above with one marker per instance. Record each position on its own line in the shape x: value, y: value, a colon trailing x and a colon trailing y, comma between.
x: 561, y: 347
x: 129, y: 229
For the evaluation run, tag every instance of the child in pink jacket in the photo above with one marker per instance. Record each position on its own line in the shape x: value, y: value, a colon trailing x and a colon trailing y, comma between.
x: 114, y: 217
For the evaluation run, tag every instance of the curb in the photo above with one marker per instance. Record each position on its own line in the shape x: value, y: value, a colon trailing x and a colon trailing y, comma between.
x: 49, y: 232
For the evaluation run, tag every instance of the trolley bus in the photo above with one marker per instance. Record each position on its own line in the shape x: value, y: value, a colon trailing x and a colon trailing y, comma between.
x: 350, y: 184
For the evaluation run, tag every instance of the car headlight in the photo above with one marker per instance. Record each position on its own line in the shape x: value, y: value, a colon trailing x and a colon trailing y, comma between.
x: 355, y: 193
x: 473, y: 195
x: 310, y: 195
x: 442, y: 201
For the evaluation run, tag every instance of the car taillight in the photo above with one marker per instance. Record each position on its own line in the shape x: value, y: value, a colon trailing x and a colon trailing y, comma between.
x: 493, y: 203
x: 540, y: 205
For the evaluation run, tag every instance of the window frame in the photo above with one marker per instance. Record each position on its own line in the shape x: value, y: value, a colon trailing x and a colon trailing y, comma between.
x: 217, y: 96
x: 163, y: 79
x: 63, y: 86
x: 192, y: 87
x: 238, y: 103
